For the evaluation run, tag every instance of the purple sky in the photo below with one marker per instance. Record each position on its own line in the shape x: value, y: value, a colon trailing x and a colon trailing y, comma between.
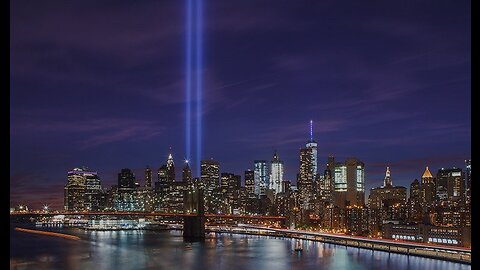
x: 101, y: 84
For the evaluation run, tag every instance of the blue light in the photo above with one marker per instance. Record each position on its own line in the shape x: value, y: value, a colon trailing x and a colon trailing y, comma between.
x: 193, y: 74
x: 199, y: 85
x: 188, y: 81
x: 311, y: 130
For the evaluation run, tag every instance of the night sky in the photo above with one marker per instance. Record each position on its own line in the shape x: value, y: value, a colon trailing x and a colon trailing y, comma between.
x: 101, y: 84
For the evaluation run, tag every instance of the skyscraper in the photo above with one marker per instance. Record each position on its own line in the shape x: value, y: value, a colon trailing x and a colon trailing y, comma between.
x: 126, y: 179
x: 249, y: 181
x: 427, y: 188
x: 82, y: 186
x: 210, y: 175
x: 328, y: 180
x: 148, y: 177
x: 311, y: 144
x: 450, y: 185
x: 387, y: 182
x: 187, y: 173
x: 93, y: 191
x: 305, y: 178
x: 276, y: 174
x: 415, y: 202
x: 349, y: 183
x: 468, y: 179
x: 170, y: 169
x: 260, y: 177
x: 390, y: 200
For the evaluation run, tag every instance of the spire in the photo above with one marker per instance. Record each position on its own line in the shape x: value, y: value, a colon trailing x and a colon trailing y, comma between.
x: 388, y: 180
x: 275, y: 156
x: 170, y: 158
x: 311, y: 130
x: 427, y: 173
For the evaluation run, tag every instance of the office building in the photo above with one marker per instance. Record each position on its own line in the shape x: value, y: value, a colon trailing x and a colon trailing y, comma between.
x: 260, y: 175
x: 276, y: 174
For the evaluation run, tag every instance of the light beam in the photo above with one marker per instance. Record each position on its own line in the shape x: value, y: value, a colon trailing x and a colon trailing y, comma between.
x: 188, y: 81
x: 199, y: 83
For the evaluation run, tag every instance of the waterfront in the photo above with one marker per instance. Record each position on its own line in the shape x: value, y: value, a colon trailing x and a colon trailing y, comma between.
x: 167, y: 250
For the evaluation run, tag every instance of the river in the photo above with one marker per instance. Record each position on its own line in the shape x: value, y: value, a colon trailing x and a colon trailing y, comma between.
x: 167, y: 250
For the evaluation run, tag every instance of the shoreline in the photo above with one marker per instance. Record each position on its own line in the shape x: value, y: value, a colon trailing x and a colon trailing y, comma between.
x: 47, y: 233
x: 418, y: 253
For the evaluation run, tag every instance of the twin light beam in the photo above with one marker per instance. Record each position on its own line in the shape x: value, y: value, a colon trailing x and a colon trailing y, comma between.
x: 193, y: 80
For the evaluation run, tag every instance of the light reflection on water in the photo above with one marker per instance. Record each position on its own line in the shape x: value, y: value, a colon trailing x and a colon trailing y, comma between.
x: 167, y: 250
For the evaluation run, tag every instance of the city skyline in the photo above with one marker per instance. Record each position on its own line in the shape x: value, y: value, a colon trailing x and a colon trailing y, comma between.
x: 140, y: 175
x: 96, y: 86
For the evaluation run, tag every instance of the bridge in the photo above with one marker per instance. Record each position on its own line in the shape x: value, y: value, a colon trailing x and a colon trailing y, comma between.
x: 146, y: 214
x: 193, y: 223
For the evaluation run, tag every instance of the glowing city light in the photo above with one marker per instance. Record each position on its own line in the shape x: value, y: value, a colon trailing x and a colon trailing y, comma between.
x: 193, y: 76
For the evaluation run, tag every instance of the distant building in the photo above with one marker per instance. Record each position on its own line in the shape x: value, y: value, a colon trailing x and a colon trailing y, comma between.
x: 230, y: 185
x: 415, y: 203
x: 450, y: 185
x: 305, y: 178
x: 187, y: 174
x: 427, y: 188
x: 311, y: 144
x: 126, y: 179
x: 170, y: 169
x: 126, y: 198
x: 260, y: 177
x: 356, y: 218
x: 468, y: 179
x: 82, y: 190
x: 455, y: 236
x: 349, y: 183
x: 148, y: 177
x: 210, y: 175
x: 329, y: 180
x: 249, y: 181
x: 93, y: 192
x: 391, y: 200
x: 276, y: 174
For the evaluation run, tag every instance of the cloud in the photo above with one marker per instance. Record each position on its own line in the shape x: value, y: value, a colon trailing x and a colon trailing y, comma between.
x: 97, y: 131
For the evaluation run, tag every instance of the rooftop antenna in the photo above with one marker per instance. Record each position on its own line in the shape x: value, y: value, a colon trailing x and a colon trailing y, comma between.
x: 311, y: 130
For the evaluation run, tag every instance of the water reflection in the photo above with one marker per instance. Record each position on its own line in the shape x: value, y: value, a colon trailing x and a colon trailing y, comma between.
x: 167, y: 250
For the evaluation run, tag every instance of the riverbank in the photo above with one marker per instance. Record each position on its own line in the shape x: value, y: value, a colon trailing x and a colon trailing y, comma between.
x: 66, y: 236
x: 420, y: 251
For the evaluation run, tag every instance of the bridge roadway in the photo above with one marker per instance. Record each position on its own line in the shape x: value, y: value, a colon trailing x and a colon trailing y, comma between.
x: 452, y: 253
x: 139, y: 213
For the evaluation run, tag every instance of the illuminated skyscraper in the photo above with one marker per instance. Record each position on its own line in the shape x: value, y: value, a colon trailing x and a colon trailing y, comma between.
x: 328, y: 180
x: 450, y: 185
x: 390, y: 200
x: 305, y: 178
x: 210, y: 175
x: 468, y: 179
x: 82, y: 190
x: 170, y: 168
x: 187, y: 173
x: 387, y: 182
x: 126, y: 179
x: 427, y: 188
x: 415, y: 202
x: 93, y: 191
x: 148, y: 177
x: 261, y: 177
x: 349, y: 183
x: 311, y: 144
x: 276, y: 174
x: 249, y: 181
